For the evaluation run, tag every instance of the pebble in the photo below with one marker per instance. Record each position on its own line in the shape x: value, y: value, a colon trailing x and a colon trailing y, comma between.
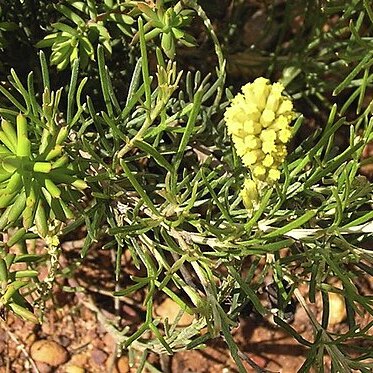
x: 170, y: 309
x: 74, y: 369
x: 79, y: 360
x: 49, y: 352
x: 123, y: 365
x: 98, y: 356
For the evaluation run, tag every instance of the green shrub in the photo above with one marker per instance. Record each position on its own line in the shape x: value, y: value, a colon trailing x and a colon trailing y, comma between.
x: 154, y: 171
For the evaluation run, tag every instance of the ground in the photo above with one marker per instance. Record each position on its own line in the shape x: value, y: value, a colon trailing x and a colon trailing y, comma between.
x: 75, y: 322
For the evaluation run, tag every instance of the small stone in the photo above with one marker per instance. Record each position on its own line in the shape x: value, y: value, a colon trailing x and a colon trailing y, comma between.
x: 79, y: 360
x: 49, y: 352
x: 337, y: 308
x: 170, y: 309
x: 123, y: 365
x: 98, y: 356
x: 74, y: 369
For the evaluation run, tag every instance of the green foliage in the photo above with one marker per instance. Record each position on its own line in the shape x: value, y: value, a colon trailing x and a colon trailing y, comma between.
x: 69, y: 43
x: 33, y: 159
x: 87, y: 27
x: 168, y: 24
x: 162, y: 180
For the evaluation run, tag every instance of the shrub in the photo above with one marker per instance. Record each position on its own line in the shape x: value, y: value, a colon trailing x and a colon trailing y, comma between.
x: 157, y: 171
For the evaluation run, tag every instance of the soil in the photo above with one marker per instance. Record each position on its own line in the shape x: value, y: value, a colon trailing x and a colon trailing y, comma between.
x: 85, y: 343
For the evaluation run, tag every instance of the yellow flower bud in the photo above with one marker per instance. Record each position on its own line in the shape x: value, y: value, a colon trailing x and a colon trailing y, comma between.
x: 269, y: 147
x: 274, y: 97
x: 268, y: 161
x: 252, y: 127
x: 240, y: 145
x: 252, y: 157
x: 273, y: 174
x: 284, y: 135
x: 249, y: 193
x: 252, y: 142
x: 286, y: 107
x: 267, y: 117
x: 268, y: 135
x: 259, y: 172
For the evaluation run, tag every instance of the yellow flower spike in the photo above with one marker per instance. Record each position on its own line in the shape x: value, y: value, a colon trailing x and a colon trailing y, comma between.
x: 258, y: 120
